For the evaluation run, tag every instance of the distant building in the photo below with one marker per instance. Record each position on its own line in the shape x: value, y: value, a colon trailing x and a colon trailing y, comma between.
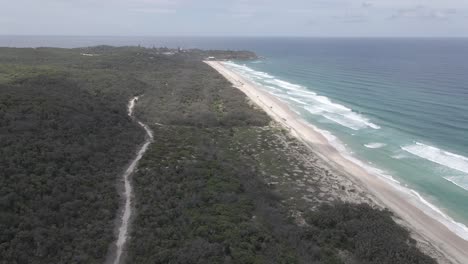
x: 89, y: 54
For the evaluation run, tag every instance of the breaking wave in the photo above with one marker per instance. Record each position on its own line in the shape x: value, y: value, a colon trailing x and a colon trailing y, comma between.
x: 322, y: 106
x: 460, y: 181
x: 438, y: 156
x: 312, y: 102
x: 375, y: 145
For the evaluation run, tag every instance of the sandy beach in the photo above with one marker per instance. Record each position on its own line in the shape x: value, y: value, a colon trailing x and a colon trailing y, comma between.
x: 390, y: 195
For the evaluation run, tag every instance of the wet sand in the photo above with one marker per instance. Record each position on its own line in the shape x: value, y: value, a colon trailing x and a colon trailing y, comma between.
x: 401, y: 202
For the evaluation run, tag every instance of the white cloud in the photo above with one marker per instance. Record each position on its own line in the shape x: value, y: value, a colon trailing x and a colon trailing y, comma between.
x: 154, y: 10
x: 423, y: 12
x: 351, y: 18
x: 236, y: 17
x: 367, y: 4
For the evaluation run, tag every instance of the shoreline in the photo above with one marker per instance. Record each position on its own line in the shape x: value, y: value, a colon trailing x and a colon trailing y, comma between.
x: 439, y: 236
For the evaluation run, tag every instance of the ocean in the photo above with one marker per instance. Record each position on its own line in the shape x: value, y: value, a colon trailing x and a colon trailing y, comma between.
x: 399, y: 107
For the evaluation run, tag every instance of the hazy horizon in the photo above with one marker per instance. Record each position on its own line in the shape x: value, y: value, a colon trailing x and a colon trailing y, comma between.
x: 238, y: 36
x: 297, y: 18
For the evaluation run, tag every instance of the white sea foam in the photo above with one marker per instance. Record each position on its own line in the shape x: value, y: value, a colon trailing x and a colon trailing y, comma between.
x: 316, y: 104
x: 375, y: 145
x: 419, y: 201
x: 287, y: 97
x: 399, y: 156
x: 342, y: 121
x: 460, y: 181
x: 341, y: 147
x: 321, y: 105
x: 297, y: 100
x: 458, y: 228
x: 436, y: 155
x: 302, y: 93
x: 245, y: 69
x: 295, y: 111
x: 340, y: 114
x: 285, y: 85
x: 262, y: 74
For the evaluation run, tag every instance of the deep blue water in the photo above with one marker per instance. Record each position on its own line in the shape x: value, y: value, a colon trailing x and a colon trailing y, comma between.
x: 400, y: 106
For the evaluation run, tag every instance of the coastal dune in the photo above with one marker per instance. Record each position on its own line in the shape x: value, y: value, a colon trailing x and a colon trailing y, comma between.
x: 390, y: 195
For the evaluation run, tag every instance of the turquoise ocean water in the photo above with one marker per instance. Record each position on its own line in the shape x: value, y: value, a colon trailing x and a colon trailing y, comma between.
x: 399, y: 107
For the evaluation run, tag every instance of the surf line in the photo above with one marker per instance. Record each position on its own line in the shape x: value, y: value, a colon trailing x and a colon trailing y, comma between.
x: 124, y: 222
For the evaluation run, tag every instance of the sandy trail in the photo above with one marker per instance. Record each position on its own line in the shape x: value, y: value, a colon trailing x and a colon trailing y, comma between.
x: 402, y: 203
x: 124, y: 221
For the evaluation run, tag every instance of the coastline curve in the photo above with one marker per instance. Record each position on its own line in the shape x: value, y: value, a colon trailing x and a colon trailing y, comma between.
x: 448, y: 242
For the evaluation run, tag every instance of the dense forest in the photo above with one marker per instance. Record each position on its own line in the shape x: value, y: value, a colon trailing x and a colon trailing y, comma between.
x: 59, y: 161
x: 201, y: 197
x: 201, y: 194
x: 65, y: 139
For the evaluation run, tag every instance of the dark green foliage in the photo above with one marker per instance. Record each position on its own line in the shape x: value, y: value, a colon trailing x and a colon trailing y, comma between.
x: 65, y: 139
x: 370, y: 235
x: 196, y: 205
x: 61, y: 151
x: 193, y: 192
x: 193, y: 94
x: 201, y: 201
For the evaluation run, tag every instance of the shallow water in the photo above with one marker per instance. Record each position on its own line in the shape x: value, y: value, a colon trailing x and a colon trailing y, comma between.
x: 398, y: 106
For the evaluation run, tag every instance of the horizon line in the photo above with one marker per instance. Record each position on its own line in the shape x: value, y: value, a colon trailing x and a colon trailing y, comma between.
x: 236, y: 36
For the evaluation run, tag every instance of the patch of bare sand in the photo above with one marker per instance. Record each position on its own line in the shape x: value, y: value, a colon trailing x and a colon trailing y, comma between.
x: 434, y: 237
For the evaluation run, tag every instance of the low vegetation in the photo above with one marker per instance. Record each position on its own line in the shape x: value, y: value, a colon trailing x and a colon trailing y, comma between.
x: 202, y: 193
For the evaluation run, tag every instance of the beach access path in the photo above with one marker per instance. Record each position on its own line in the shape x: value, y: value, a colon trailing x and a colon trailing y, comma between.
x: 117, y: 252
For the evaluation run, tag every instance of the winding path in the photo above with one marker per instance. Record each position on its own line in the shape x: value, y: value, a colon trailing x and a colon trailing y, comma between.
x: 128, y: 191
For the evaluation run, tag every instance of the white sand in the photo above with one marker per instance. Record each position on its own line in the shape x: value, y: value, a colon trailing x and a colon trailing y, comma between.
x: 124, y: 222
x: 450, y: 244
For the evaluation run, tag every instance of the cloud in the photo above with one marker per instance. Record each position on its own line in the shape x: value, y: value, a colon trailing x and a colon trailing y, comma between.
x: 301, y: 11
x: 351, y: 18
x: 119, y: 4
x: 236, y: 17
x: 423, y: 12
x: 367, y: 4
x: 154, y: 10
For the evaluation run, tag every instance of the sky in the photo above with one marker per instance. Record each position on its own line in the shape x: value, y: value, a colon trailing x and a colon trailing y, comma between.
x: 309, y: 18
